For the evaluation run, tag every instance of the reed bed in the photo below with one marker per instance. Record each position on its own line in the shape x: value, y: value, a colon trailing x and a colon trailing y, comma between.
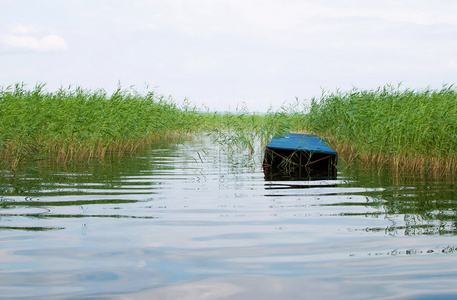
x: 78, y: 124
x: 251, y: 131
x: 75, y: 124
x: 407, y: 130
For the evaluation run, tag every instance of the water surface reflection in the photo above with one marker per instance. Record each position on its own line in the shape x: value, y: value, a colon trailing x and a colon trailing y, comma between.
x: 192, y: 221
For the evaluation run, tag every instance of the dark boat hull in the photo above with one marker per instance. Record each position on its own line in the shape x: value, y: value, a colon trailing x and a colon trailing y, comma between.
x: 301, y: 156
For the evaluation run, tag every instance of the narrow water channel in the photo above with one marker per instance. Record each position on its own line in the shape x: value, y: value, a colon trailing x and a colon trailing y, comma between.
x: 192, y: 221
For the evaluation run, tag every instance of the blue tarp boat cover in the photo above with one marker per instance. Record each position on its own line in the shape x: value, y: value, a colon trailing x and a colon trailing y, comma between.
x: 301, y: 142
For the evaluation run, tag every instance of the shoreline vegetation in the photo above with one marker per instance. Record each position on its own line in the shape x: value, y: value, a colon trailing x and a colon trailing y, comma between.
x: 388, y: 127
x: 405, y: 130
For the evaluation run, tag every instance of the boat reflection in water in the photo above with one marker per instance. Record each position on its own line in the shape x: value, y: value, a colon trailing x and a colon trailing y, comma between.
x: 299, y: 157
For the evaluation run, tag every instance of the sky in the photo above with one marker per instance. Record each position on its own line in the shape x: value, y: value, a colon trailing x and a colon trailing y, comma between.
x: 227, y: 54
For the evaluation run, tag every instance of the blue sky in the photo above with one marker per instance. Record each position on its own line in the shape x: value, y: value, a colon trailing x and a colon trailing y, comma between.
x: 224, y: 54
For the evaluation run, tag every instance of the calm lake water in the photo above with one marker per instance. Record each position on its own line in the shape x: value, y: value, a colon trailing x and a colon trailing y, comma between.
x: 191, y: 221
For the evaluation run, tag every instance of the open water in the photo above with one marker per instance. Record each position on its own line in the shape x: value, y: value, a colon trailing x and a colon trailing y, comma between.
x: 191, y: 221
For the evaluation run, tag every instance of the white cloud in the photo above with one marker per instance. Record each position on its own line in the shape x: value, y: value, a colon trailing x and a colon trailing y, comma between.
x: 28, y: 38
x: 47, y: 43
x: 23, y: 29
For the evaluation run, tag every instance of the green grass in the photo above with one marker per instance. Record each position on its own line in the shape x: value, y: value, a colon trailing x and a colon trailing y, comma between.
x: 405, y: 129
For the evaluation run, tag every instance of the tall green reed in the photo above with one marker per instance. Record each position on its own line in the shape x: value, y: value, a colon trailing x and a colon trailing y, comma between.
x: 252, y: 131
x: 74, y: 123
x: 407, y: 129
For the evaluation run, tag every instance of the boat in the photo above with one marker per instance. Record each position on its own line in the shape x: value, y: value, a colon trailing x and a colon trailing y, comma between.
x: 300, y: 155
